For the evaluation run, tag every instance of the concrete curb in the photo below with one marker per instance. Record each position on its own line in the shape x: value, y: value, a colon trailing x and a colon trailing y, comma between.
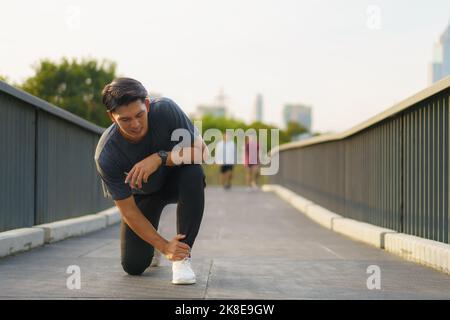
x: 322, y: 216
x: 18, y: 240
x: 60, y: 230
x: 112, y: 216
x: 361, y: 231
x: 423, y: 251
x: 431, y: 253
x: 297, y: 201
x: 23, y: 239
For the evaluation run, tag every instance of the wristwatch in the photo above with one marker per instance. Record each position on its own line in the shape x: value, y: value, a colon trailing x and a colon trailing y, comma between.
x: 163, y: 155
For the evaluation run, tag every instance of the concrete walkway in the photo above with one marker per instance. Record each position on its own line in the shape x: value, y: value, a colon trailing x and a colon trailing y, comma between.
x: 252, y: 245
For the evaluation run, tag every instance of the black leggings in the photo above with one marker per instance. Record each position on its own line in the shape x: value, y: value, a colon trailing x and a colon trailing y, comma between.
x: 184, y: 185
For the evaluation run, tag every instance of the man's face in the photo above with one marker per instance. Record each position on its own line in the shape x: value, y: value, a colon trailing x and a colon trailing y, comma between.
x: 132, y: 119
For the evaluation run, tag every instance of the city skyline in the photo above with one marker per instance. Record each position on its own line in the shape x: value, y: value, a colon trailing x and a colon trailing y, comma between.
x: 350, y: 60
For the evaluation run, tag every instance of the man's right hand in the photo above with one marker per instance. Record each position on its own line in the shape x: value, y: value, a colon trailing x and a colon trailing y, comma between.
x: 175, y: 250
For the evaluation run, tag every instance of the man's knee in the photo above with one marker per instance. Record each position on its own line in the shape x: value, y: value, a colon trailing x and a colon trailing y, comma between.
x: 135, y: 268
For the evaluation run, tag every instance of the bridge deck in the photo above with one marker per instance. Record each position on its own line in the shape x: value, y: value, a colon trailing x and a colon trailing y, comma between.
x: 251, y: 245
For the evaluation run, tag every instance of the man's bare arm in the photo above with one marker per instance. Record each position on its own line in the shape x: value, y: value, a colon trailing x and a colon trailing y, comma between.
x: 133, y: 217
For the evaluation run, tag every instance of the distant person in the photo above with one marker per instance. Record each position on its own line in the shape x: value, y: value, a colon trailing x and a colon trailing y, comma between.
x: 135, y: 160
x: 251, y: 161
x: 226, y: 157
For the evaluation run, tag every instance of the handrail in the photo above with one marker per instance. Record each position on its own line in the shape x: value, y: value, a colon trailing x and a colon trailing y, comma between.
x: 50, y: 108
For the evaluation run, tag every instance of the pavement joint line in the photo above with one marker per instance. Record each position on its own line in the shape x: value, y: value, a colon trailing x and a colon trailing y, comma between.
x: 330, y: 251
x: 207, y: 279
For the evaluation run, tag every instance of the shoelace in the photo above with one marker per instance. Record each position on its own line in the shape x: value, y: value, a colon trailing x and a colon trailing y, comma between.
x: 185, y: 261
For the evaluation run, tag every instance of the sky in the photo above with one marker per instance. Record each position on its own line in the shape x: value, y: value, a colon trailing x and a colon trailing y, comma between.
x: 349, y: 60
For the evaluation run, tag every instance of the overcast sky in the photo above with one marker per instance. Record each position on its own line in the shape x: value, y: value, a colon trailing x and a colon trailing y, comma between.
x: 348, y: 59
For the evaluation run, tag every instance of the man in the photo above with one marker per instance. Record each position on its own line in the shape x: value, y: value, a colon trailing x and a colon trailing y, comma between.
x: 226, y: 157
x: 251, y: 161
x: 141, y: 171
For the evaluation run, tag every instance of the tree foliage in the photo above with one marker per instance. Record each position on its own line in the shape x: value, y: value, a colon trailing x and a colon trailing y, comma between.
x: 74, y: 86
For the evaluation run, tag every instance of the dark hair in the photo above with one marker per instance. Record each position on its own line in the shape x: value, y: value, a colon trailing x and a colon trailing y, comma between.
x: 121, y: 92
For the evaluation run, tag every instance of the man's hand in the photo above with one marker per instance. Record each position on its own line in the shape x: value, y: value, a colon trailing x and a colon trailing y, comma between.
x: 175, y: 250
x: 142, y: 170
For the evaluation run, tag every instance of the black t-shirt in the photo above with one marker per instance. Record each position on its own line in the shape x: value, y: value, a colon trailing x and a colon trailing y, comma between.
x: 115, y: 155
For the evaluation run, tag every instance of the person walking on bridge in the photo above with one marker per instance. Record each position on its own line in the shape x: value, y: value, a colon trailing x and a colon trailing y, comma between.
x: 139, y: 163
x: 226, y: 158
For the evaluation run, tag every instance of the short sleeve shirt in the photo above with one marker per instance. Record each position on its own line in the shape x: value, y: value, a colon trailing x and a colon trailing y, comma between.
x: 115, y: 155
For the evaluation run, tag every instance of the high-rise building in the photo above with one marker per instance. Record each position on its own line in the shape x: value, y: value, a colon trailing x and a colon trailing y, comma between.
x: 259, y: 108
x: 298, y: 113
x: 440, y: 66
x: 211, y: 110
x: 215, y: 109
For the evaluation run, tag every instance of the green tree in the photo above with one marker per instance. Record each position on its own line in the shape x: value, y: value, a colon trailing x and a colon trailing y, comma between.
x: 73, y: 85
x: 223, y: 123
x: 4, y: 78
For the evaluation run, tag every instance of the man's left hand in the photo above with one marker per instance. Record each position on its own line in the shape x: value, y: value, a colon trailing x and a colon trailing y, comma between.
x: 142, y: 170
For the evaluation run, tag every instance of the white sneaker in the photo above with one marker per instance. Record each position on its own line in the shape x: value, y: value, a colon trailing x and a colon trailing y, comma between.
x: 182, y: 272
x: 156, y: 261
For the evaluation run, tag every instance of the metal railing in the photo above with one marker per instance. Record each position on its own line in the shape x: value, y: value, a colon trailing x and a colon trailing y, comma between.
x: 391, y: 171
x: 47, y: 168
